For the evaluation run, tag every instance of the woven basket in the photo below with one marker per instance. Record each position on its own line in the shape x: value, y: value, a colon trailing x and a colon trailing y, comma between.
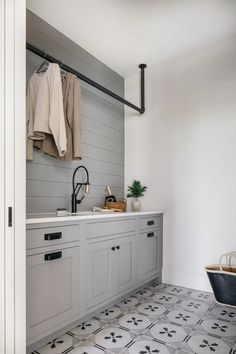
x: 223, y: 280
x: 117, y: 205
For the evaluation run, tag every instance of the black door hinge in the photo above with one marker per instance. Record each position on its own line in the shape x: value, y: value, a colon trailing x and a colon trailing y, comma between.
x: 9, y: 216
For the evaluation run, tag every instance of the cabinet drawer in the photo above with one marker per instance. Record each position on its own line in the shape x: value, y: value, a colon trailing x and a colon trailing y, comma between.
x: 51, y: 236
x: 150, y: 222
x: 110, y: 227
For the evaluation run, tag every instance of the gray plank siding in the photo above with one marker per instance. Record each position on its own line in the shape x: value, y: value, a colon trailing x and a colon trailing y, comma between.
x: 52, y: 173
x: 93, y: 165
x: 48, y: 205
x: 48, y: 182
x: 62, y: 189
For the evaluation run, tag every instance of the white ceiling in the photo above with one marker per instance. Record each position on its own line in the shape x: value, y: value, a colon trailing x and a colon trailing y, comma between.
x: 124, y: 33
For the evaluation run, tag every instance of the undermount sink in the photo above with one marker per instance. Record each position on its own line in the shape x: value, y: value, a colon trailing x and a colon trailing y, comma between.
x: 84, y: 213
x: 81, y: 213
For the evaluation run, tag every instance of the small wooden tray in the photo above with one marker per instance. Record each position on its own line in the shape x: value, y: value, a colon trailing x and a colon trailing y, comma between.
x: 117, y: 205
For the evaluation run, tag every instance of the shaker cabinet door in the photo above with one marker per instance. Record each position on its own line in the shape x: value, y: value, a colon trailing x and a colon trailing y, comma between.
x: 150, y: 257
x: 100, y: 258
x: 110, y: 269
x: 125, y: 263
x: 52, y: 289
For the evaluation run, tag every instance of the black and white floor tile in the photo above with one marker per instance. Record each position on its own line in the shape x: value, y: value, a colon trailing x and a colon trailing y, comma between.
x: 151, y: 309
x: 224, y: 313
x: 135, y: 322
x: 219, y: 328
x: 86, y: 328
x: 195, y: 306
x: 168, y: 333
x: 162, y: 319
x: 57, y: 345
x: 129, y: 302
x: 204, y: 343
x: 182, y: 317
x: 144, y: 294
x: 113, y: 338
x: 110, y: 314
x: 91, y: 349
x: 165, y: 298
x: 145, y: 345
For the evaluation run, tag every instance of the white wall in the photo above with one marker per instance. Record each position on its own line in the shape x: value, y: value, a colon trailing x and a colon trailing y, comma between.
x: 154, y: 30
x: 184, y: 149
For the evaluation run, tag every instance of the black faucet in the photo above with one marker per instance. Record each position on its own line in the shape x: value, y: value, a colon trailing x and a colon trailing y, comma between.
x: 76, y: 188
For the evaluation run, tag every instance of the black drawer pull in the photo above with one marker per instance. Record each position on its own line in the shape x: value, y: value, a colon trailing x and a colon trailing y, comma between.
x: 113, y: 248
x: 151, y: 222
x: 53, y: 236
x: 117, y: 247
x: 150, y: 234
x: 52, y: 256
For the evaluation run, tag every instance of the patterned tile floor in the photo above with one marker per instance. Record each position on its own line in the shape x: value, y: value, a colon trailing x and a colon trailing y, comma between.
x: 161, y: 319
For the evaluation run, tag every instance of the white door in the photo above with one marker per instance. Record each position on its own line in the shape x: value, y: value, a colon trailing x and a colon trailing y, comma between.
x: 100, y: 267
x: 149, y: 262
x: 125, y: 263
x: 52, y: 290
x: 12, y: 177
x: 2, y: 182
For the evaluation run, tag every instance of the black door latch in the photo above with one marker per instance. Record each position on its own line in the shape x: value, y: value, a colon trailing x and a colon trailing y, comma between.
x: 9, y: 216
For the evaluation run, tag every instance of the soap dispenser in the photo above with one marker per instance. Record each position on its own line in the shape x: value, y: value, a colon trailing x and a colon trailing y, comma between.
x: 109, y: 197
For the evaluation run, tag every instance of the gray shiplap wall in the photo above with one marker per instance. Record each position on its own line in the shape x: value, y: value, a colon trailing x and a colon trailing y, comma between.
x: 48, y: 179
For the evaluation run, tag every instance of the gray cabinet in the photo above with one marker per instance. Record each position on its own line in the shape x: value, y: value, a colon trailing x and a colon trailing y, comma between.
x: 99, y: 280
x: 51, y: 236
x: 85, y: 265
x: 97, y: 229
x: 150, y: 257
x: 52, y: 289
x: 125, y: 272
x: 110, y: 269
x: 150, y: 222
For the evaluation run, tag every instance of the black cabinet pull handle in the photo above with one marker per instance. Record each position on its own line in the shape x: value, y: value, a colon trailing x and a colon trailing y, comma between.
x: 52, y: 256
x: 117, y: 247
x: 113, y: 248
x: 150, y: 234
x: 53, y: 236
x: 151, y: 222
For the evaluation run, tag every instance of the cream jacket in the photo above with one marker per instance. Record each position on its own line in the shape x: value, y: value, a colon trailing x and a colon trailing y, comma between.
x: 45, y: 114
x: 72, y: 102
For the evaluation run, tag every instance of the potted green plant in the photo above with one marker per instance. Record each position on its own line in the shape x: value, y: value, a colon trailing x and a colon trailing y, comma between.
x: 135, y: 191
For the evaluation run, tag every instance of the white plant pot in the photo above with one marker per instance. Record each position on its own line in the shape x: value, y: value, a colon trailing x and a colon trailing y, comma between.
x: 136, y: 204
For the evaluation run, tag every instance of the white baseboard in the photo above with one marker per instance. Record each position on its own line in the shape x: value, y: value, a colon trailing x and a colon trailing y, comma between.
x: 198, y: 281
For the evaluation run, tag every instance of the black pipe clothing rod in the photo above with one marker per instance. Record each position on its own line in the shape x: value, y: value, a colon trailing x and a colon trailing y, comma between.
x: 84, y: 78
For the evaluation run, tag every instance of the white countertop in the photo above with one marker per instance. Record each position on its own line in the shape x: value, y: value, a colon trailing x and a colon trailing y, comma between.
x: 52, y: 217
